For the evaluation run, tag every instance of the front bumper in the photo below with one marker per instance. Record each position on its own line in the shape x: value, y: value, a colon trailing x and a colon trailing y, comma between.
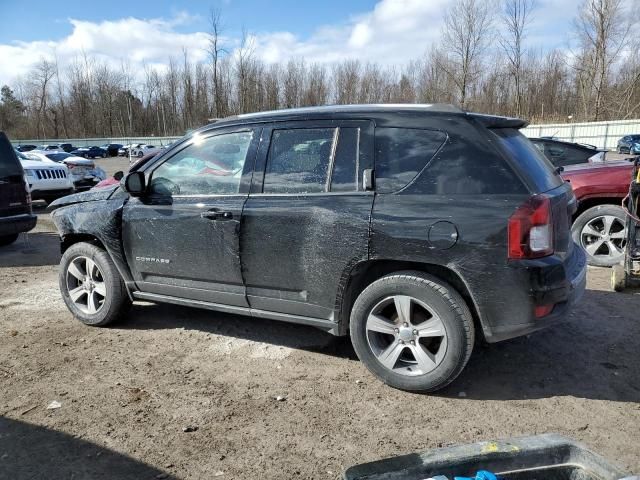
x: 50, y: 195
x: 17, y: 223
x: 552, y: 281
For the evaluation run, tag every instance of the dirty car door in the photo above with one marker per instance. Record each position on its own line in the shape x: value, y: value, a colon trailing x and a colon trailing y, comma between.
x: 182, y: 238
x: 309, y: 223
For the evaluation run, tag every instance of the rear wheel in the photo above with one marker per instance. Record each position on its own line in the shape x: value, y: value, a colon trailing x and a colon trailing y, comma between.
x: 91, y: 286
x: 8, y: 239
x: 602, y: 232
x: 412, y: 331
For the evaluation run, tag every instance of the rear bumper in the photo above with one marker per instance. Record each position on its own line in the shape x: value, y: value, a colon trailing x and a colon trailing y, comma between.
x: 17, y: 223
x: 551, y: 281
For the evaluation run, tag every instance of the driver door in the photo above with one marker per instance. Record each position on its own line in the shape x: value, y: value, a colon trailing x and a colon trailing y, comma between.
x: 182, y: 238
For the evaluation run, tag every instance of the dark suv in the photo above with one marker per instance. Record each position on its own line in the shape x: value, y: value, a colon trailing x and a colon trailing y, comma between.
x: 15, y: 201
x: 413, y: 228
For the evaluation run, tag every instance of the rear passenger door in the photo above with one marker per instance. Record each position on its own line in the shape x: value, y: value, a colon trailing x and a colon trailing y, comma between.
x: 306, y: 221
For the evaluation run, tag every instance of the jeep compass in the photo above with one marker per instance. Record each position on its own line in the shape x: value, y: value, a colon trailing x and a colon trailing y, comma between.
x: 415, y: 229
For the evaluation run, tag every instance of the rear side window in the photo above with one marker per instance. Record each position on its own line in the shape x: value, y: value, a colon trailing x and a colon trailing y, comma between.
x: 401, y: 153
x: 539, y: 170
x: 299, y: 160
x: 9, y: 164
x: 561, y: 155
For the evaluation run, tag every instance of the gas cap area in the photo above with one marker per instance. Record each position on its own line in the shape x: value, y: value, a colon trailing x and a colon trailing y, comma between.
x: 443, y: 235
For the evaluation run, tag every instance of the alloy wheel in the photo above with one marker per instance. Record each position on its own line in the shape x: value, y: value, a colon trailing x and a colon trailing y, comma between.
x: 604, y: 237
x: 406, y: 335
x: 85, y: 285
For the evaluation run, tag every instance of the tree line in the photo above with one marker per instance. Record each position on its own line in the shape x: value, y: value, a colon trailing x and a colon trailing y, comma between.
x: 483, y: 62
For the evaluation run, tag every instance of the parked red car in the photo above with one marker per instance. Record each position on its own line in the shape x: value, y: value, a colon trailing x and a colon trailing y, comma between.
x: 599, y: 223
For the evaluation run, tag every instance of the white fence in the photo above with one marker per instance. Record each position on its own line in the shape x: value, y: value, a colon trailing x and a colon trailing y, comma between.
x: 600, y: 134
x: 83, y: 142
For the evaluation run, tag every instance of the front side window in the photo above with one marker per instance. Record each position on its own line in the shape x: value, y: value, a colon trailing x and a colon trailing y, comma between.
x: 299, y: 160
x: 208, y: 166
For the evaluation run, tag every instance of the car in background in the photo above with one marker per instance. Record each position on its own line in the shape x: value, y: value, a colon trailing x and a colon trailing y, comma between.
x: 16, y: 215
x: 561, y: 153
x: 144, y: 149
x: 90, y: 152
x: 26, y: 148
x: 67, y: 147
x: 47, y: 180
x: 124, y: 150
x: 599, y: 224
x: 111, y: 148
x: 84, y: 171
x: 50, y: 148
x: 115, y: 179
x: 629, y: 144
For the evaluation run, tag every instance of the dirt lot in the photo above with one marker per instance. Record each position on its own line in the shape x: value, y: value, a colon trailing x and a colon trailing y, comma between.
x: 127, y: 393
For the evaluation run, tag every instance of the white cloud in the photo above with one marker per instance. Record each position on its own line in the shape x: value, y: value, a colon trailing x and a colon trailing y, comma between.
x: 135, y: 40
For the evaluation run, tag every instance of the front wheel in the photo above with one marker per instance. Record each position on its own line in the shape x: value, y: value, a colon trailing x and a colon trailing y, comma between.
x: 413, y: 331
x: 91, y: 286
x: 602, y: 232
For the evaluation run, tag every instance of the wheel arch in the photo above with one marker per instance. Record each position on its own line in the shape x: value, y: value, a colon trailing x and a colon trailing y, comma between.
x: 367, y: 272
x: 590, y: 202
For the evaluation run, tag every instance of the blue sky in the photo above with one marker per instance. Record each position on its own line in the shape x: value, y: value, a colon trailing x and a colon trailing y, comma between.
x: 146, y: 34
x: 299, y: 17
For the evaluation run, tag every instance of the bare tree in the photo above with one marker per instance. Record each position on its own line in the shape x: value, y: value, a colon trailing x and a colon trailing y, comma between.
x: 602, y: 28
x: 216, y: 51
x: 516, y: 15
x: 467, y: 25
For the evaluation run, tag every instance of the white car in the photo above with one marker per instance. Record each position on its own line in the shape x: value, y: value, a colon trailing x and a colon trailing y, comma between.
x: 84, y: 171
x: 47, y: 181
x: 143, y: 150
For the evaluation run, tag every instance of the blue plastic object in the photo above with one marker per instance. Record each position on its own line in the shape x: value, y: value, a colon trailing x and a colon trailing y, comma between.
x: 480, y: 475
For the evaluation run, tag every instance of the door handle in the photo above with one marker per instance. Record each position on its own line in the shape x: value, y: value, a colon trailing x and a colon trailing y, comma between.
x: 217, y: 215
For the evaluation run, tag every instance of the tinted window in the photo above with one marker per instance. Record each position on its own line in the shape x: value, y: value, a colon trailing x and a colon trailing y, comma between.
x: 562, y: 154
x: 9, y: 164
x: 209, y: 166
x: 539, y: 170
x: 345, y: 165
x: 455, y: 172
x: 299, y: 160
x: 401, y: 153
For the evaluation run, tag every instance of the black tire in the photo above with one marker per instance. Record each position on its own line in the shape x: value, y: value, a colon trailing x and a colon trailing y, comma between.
x: 590, y: 215
x: 8, y: 239
x: 443, y: 300
x: 116, y: 300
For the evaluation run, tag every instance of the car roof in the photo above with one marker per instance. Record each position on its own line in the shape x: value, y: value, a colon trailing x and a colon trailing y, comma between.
x: 491, y: 121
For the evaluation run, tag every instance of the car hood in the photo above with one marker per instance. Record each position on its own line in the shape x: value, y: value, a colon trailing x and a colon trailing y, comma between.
x: 38, y: 164
x: 88, y: 196
x: 78, y: 160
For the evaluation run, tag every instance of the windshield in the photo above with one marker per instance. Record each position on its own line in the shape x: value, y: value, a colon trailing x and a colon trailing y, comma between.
x: 539, y: 170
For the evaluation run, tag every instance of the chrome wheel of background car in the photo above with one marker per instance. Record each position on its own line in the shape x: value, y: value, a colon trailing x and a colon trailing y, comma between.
x: 85, y: 285
x: 406, y: 335
x: 604, y: 236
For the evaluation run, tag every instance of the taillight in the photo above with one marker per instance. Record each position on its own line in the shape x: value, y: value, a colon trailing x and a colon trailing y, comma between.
x: 531, y: 229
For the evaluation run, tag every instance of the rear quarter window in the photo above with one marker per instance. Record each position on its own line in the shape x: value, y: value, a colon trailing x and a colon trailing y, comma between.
x: 531, y: 162
x: 402, y: 153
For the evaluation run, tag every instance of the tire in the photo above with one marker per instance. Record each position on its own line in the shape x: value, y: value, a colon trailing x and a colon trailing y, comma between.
x: 104, y: 155
x: 140, y: 154
x: 601, y: 231
x: 8, y: 239
x: 109, y: 297
x: 446, y: 337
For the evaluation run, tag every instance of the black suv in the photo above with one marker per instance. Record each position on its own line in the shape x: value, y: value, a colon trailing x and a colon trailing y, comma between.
x: 15, y: 202
x: 413, y: 228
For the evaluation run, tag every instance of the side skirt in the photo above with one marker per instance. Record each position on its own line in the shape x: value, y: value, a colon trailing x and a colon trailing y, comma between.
x: 325, y: 325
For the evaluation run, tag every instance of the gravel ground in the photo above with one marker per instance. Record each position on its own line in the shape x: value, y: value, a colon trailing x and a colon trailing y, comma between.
x: 174, y: 392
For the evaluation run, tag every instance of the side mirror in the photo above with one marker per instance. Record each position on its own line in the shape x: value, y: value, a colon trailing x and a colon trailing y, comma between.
x: 134, y: 184
x: 118, y: 175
